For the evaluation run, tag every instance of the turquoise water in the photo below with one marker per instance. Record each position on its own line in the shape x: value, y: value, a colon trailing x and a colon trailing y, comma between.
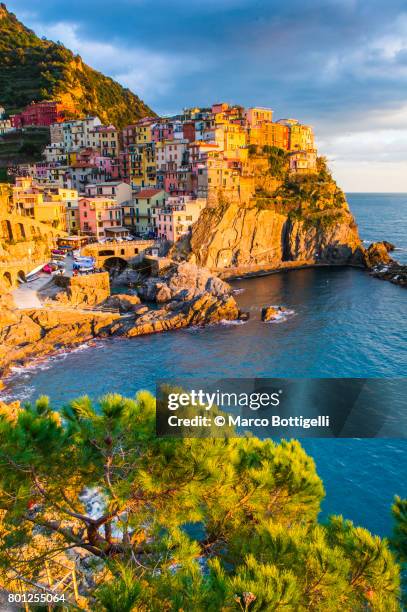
x: 344, y: 323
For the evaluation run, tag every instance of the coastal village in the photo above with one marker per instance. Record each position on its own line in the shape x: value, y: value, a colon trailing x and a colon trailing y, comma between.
x: 150, y: 180
x: 163, y: 211
x: 108, y: 208
x: 116, y: 223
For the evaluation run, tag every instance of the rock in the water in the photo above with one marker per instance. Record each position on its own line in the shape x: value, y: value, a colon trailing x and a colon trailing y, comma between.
x: 389, y: 246
x: 377, y: 254
x: 244, y: 316
x: 40, y: 332
x: 394, y: 272
x: 269, y: 313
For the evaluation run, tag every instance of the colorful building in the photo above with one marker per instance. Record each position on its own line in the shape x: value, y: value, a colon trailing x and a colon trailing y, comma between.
x: 257, y: 115
x: 301, y: 136
x: 303, y: 162
x: 105, y: 138
x: 174, y: 220
x: 138, y: 165
x: 270, y: 134
x: 138, y: 214
x: 97, y: 214
x: 115, y: 190
x: 41, y: 114
x: 39, y: 203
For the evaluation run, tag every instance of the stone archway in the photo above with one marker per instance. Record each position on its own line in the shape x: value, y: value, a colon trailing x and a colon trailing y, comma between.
x: 115, y: 264
x: 7, y: 230
x: 20, y: 231
x: 7, y: 279
x: 21, y: 276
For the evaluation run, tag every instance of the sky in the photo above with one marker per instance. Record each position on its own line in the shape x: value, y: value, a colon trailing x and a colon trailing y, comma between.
x: 338, y: 65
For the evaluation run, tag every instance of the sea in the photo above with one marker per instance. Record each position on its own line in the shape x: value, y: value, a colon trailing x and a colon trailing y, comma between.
x: 341, y: 323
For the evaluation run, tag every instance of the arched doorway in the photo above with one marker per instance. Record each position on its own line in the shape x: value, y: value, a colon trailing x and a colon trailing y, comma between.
x: 20, y: 231
x: 21, y: 276
x: 115, y: 265
x: 7, y: 279
x: 7, y: 231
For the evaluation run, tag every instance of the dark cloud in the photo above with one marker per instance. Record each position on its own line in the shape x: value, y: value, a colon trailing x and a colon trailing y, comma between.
x: 315, y: 57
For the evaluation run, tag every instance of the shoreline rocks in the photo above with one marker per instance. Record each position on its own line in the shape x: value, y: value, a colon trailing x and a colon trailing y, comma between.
x: 270, y: 313
x: 382, y: 266
x: 188, y: 295
x: 193, y: 296
x: 182, y: 282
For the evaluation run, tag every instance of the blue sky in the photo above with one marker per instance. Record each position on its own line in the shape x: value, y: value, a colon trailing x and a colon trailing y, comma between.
x: 339, y: 65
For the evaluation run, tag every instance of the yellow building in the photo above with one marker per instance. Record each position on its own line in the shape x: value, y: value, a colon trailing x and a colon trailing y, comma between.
x: 141, y: 165
x: 142, y: 132
x: 301, y: 136
x: 52, y: 213
x: 228, y: 136
x: 105, y: 138
x: 44, y: 203
x: 218, y: 173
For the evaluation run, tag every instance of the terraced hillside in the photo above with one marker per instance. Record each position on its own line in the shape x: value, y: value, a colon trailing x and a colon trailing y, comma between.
x: 37, y: 69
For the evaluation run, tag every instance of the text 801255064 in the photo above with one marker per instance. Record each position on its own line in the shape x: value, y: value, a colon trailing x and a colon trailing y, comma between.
x: 35, y: 598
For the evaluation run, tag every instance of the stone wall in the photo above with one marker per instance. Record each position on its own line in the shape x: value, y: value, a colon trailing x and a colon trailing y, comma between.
x: 86, y: 291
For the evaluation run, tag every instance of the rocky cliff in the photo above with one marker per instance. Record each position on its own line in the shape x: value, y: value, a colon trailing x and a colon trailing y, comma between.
x: 305, y: 220
x: 29, y: 334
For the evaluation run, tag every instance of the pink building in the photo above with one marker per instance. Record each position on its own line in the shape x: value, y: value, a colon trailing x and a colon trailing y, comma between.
x: 173, y: 220
x: 162, y: 131
x: 96, y: 214
x: 179, y: 181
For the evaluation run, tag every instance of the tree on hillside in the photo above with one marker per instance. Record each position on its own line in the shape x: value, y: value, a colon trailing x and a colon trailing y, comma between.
x: 399, y: 538
x: 278, y: 161
x: 178, y: 524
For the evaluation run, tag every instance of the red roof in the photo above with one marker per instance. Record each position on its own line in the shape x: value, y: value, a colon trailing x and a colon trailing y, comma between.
x: 147, y: 193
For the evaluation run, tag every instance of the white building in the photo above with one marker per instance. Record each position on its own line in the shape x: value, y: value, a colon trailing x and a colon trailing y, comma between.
x: 116, y: 190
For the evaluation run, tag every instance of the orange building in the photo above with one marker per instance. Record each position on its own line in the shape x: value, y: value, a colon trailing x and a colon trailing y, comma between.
x: 271, y: 134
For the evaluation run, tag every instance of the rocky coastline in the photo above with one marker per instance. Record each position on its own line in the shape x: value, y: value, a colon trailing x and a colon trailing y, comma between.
x: 182, y: 295
x: 187, y: 295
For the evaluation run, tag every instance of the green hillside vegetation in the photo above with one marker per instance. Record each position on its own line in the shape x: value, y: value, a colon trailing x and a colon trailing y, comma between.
x: 313, y: 197
x: 34, y: 69
x: 198, y: 525
x: 23, y: 145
